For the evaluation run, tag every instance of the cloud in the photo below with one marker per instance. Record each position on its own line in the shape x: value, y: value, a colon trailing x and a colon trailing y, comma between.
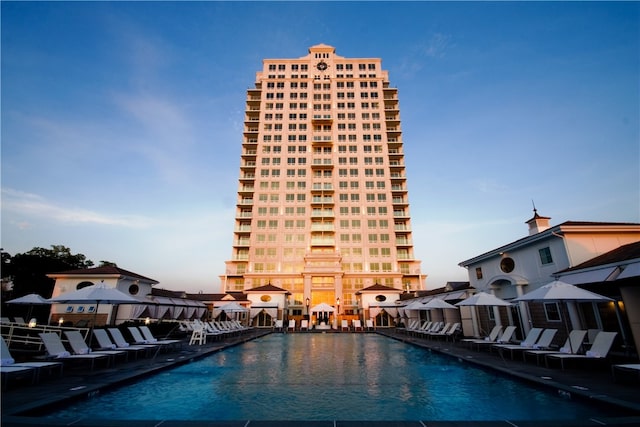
x: 436, y: 46
x: 33, y: 205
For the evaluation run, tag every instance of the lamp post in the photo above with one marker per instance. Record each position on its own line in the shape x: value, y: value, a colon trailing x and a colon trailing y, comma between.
x: 337, y: 312
x: 308, y: 314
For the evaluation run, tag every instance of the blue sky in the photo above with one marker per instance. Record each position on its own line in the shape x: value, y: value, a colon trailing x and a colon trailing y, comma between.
x: 122, y: 122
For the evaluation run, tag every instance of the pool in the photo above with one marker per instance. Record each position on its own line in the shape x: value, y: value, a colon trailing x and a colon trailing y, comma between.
x: 328, y: 377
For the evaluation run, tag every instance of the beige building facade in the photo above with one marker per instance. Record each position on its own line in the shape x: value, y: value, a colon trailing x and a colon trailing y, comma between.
x: 322, y: 208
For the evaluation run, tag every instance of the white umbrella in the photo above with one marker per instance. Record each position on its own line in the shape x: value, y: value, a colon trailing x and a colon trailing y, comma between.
x: 438, y: 303
x: 321, y: 308
x: 483, y: 298
x: 30, y: 300
x: 415, y: 305
x: 232, y: 307
x: 561, y: 291
x: 558, y: 291
x: 98, y: 294
x: 33, y: 299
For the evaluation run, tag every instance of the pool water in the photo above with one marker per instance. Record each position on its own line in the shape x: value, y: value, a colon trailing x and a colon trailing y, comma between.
x: 328, y: 377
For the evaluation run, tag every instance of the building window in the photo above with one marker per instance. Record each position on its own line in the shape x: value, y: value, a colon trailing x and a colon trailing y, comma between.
x: 479, y: 273
x: 545, y: 256
x: 507, y: 265
x: 552, y: 311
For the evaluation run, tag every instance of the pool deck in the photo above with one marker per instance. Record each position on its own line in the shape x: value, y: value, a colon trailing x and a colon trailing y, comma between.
x: 596, y: 385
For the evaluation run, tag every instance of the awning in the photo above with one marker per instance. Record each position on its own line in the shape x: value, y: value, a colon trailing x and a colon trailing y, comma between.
x: 631, y: 270
x: 591, y: 276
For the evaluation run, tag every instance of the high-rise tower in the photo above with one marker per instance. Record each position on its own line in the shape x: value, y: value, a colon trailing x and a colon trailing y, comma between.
x: 323, y: 206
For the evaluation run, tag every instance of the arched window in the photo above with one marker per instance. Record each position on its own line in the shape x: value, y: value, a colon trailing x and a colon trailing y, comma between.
x: 83, y: 285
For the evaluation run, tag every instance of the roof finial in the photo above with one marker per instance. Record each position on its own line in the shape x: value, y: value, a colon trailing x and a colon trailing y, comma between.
x: 535, y: 211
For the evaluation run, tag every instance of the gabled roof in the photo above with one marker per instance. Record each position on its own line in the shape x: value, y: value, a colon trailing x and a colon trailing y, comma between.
x: 107, y: 270
x: 623, y: 253
x: 379, y: 288
x: 560, y: 229
x: 268, y: 289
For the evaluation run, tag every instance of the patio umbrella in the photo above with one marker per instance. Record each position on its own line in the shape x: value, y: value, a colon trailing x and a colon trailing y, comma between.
x: 482, y: 299
x: 559, y: 291
x: 232, y: 307
x: 439, y: 304
x: 98, y: 294
x: 415, y: 305
x: 30, y: 300
x: 322, y: 307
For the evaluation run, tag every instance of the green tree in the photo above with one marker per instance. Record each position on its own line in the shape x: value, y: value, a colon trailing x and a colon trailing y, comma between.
x: 29, y: 270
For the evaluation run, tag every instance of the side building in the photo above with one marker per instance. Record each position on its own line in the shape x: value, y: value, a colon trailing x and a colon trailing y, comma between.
x: 322, y: 206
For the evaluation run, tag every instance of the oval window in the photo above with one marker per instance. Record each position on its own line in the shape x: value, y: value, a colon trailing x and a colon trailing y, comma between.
x: 380, y: 298
x: 265, y: 298
x: 134, y: 289
x: 83, y: 285
x: 507, y: 265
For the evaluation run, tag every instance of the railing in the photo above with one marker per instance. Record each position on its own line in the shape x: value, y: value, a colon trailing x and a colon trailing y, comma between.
x: 18, y: 333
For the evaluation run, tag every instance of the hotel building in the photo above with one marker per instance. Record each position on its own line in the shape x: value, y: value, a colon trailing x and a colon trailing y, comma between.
x: 322, y: 209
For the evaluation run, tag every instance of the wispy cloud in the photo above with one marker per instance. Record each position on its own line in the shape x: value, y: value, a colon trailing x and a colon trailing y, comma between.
x: 436, y: 46
x: 33, y: 205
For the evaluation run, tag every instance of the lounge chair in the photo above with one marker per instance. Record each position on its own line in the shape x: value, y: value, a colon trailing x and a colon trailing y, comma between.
x: 369, y: 324
x: 55, y: 349
x: 148, y: 335
x: 5, y: 320
x: 630, y: 371
x: 598, y: 351
x: 78, y: 346
x: 537, y: 338
x: 439, y: 331
x: 448, y: 332
x: 357, y: 325
x: 491, y: 338
x: 19, y: 320
x: 17, y: 372
x: 9, y: 367
x: 304, y: 325
x: 345, y: 325
x: 121, y: 343
x: 105, y: 343
x: 571, y: 346
x: 139, y: 339
x: 278, y: 325
x: 292, y: 325
x: 528, y: 342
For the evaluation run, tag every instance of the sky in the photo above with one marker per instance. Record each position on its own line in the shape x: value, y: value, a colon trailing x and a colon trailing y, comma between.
x: 122, y: 122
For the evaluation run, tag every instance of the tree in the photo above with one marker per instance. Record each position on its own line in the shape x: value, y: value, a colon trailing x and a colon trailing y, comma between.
x: 29, y: 270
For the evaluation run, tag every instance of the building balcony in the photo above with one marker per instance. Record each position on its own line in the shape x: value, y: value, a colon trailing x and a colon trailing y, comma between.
x: 250, y: 141
x: 245, y: 202
x: 397, y: 175
x: 241, y: 229
x: 248, y: 177
x: 320, y: 187
x: 321, y: 140
x: 398, y: 189
x: 247, y: 154
x: 322, y: 163
x: 244, y: 214
x: 321, y: 119
x: 323, y: 227
x: 317, y: 241
x: 322, y: 213
x: 404, y: 242
x: 401, y: 227
x: 399, y: 201
x: 242, y: 243
x: 400, y: 214
x: 246, y: 189
x: 316, y: 200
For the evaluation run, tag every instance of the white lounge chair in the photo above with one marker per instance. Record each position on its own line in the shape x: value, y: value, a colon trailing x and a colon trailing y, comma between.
x: 148, y: 335
x: 10, y: 368
x: 491, y: 338
x: 572, y: 345
x: 118, y: 338
x: 138, y: 338
x: 292, y: 325
x: 630, y: 371
x: 55, y: 349
x: 344, y: 325
x: 357, y: 325
x: 598, y: 351
x: 543, y: 342
x: 105, y: 343
x: 304, y: 325
x: 79, y: 346
x: 278, y: 324
x: 369, y: 324
x: 526, y: 344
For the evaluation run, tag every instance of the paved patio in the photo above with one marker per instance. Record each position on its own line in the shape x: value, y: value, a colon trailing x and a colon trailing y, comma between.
x: 596, y: 385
